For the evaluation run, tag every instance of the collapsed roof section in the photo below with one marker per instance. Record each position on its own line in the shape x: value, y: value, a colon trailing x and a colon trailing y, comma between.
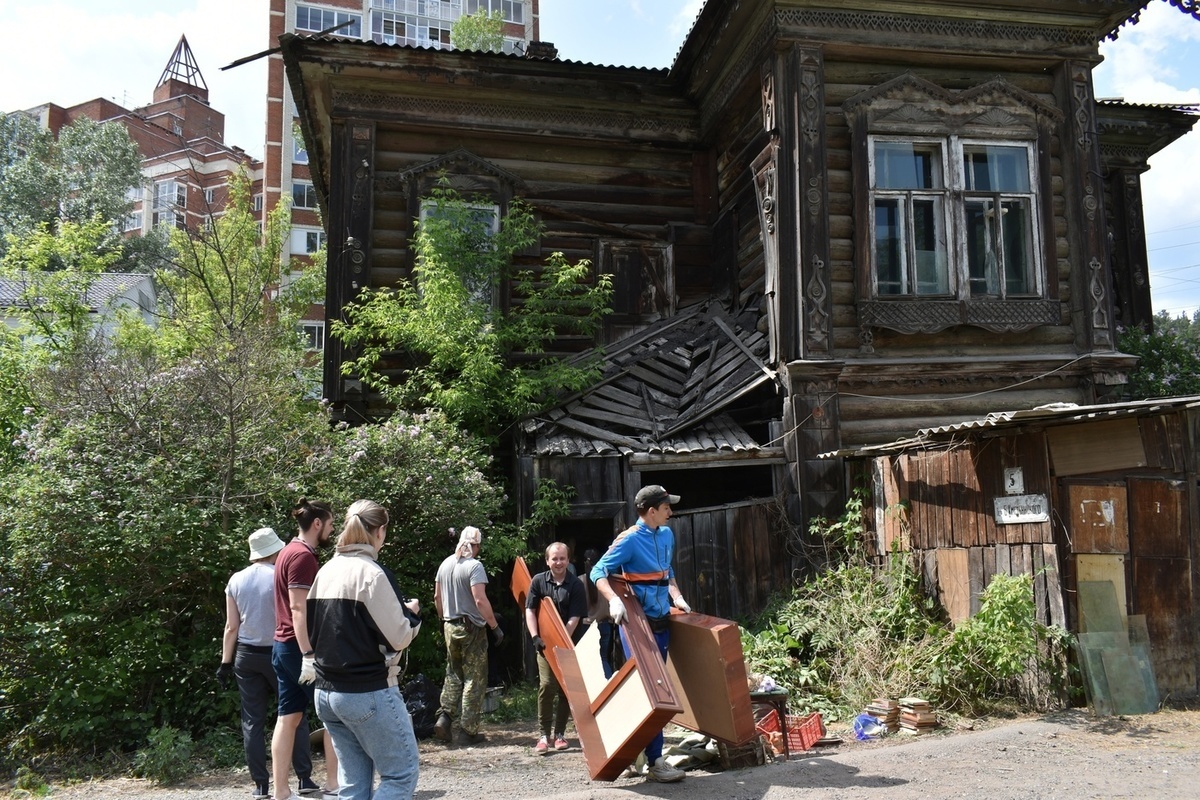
x: 663, y: 391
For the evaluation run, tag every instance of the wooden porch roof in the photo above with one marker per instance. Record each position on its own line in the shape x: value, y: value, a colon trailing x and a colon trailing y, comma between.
x: 662, y: 391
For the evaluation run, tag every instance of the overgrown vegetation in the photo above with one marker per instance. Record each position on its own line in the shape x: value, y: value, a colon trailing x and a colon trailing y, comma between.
x: 479, y: 31
x: 1169, y: 358
x: 140, y: 462
x: 859, y: 630
x: 462, y: 353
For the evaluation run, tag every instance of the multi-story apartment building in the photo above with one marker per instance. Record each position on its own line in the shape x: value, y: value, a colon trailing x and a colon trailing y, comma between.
x: 414, y: 23
x: 181, y: 138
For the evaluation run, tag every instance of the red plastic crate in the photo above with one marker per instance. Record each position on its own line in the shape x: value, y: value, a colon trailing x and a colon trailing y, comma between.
x: 802, y: 732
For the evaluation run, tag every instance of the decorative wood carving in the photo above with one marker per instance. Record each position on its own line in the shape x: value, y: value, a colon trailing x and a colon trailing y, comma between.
x: 349, y: 253
x: 1089, y: 191
x: 810, y: 23
x: 932, y: 316
x: 765, y: 171
x: 768, y: 97
x: 813, y: 203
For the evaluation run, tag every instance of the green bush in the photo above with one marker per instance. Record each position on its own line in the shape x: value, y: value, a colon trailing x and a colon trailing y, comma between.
x: 167, y: 756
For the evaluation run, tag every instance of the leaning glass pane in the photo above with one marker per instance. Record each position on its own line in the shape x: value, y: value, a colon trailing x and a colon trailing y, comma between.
x: 1018, y: 247
x: 889, y: 260
x: 929, y: 245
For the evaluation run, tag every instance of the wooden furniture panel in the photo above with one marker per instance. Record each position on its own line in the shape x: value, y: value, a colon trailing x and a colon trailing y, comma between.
x: 704, y: 659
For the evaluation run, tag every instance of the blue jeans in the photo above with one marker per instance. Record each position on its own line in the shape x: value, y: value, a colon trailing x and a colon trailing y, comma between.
x: 372, y: 732
x: 655, y: 748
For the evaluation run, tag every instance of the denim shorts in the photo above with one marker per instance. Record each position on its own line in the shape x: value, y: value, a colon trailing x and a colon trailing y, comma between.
x: 294, y: 697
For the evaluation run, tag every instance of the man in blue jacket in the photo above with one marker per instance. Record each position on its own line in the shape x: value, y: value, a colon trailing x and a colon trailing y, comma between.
x: 642, y: 555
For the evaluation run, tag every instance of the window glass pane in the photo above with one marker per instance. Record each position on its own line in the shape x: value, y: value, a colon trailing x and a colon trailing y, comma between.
x: 996, y: 168
x: 982, y: 259
x: 1018, y: 247
x: 929, y: 244
x: 904, y: 165
x: 889, y: 261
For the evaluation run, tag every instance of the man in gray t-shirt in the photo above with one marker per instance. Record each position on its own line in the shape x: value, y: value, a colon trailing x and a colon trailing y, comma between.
x: 459, y: 593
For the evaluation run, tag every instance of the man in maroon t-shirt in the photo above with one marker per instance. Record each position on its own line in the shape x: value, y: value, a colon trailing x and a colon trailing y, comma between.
x: 292, y: 654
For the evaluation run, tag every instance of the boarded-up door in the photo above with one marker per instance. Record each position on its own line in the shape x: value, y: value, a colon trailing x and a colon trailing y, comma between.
x: 1162, y: 578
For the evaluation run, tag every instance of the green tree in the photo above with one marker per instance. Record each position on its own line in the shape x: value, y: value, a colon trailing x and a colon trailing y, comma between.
x: 463, y: 355
x: 147, y: 459
x: 479, y: 31
x: 1168, y: 357
x: 84, y: 174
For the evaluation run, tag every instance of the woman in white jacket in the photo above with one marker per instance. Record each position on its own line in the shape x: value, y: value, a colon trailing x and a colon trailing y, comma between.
x: 359, y: 622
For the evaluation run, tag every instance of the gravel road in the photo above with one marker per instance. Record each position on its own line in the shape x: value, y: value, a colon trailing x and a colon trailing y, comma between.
x: 1070, y: 754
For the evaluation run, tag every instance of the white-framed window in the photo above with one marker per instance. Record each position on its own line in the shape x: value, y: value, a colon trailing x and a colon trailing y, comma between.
x: 511, y: 10
x: 170, y: 194
x: 210, y: 195
x: 954, y: 217
x: 132, y: 222
x: 256, y: 203
x: 306, y: 241
x: 394, y: 27
x: 299, y: 153
x: 304, y: 195
x: 313, y: 333
x: 313, y: 19
x: 169, y: 218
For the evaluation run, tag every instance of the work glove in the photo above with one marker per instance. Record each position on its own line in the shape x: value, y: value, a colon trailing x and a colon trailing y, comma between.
x: 682, y: 605
x: 497, y: 635
x: 539, y: 645
x: 308, y: 669
x: 225, y: 675
x: 616, y: 610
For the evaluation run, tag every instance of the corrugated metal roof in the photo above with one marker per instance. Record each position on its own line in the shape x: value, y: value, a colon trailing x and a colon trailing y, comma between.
x: 1186, y: 108
x: 663, y: 71
x: 104, y: 287
x: 662, y: 391
x: 998, y: 420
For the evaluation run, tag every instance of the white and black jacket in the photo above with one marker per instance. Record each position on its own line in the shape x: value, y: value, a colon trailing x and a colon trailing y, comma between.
x: 357, y: 622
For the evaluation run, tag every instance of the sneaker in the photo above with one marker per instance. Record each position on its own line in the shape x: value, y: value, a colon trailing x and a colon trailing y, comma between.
x: 560, y: 743
x: 467, y: 739
x: 262, y: 790
x: 662, y: 772
x: 441, y: 728
x: 307, y: 786
x: 542, y: 747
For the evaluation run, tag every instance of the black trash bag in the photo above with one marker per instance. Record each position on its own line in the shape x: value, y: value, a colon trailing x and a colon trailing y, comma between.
x: 422, y: 697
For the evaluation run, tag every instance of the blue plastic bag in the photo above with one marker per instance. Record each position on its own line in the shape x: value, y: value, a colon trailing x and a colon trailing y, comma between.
x: 867, y: 728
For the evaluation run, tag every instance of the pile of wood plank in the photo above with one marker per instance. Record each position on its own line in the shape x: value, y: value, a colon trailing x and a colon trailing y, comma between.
x: 916, y: 715
x: 885, y: 711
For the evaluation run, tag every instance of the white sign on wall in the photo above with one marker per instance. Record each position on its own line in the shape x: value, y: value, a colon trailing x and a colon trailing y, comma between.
x: 1015, y: 509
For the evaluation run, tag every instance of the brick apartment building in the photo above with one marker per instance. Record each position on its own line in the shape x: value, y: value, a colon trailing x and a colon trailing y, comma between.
x: 181, y: 138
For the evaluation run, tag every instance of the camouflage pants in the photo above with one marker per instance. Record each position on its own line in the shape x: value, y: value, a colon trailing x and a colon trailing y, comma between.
x: 466, y: 674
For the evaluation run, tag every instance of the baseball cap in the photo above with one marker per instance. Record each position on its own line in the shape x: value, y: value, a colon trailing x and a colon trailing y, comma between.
x: 654, y: 495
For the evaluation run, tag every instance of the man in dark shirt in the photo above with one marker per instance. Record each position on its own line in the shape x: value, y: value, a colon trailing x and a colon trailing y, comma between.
x: 570, y: 600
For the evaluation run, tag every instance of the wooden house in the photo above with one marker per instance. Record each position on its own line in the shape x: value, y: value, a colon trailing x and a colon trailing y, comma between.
x: 1069, y: 494
x: 828, y: 224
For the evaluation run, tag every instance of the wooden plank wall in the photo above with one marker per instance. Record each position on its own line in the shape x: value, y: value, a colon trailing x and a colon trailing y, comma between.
x: 728, y: 560
x: 950, y: 521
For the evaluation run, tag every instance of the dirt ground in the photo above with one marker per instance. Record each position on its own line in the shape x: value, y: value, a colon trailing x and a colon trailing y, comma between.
x: 1069, y: 754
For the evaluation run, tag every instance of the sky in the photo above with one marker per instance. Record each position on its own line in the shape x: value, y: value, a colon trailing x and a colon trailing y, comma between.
x: 71, y: 51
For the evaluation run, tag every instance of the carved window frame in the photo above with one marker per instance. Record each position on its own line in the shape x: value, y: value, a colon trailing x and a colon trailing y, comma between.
x: 909, y: 108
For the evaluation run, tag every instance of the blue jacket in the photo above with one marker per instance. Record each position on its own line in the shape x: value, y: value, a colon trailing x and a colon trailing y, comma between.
x: 643, y: 557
